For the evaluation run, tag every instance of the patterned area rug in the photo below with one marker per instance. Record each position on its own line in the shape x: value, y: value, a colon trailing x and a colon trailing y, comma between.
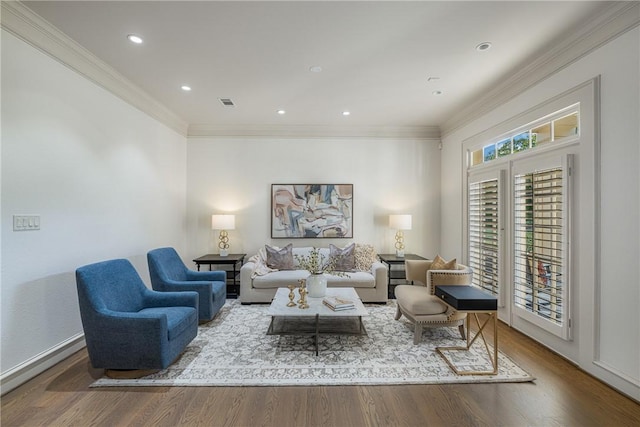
x: 234, y: 350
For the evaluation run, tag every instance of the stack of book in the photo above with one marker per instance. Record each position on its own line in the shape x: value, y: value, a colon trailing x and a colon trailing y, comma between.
x: 337, y: 304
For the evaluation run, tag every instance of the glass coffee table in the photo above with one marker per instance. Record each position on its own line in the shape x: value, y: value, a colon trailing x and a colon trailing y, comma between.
x: 318, y: 319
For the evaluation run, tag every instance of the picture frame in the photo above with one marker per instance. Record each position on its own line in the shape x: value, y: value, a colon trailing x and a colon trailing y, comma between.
x: 303, y: 211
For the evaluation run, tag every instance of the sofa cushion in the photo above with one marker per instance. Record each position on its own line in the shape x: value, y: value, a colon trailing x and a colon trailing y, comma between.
x: 439, y: 263
x: 364, y: 256
x: 280, y: 259
x: 344, y: 258
x: 357, y: 279
x: 279, y: 279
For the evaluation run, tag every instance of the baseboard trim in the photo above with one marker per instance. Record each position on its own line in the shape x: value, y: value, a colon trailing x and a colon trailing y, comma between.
x: 40, y: 363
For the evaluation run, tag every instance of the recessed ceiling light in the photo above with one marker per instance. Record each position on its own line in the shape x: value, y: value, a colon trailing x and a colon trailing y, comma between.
x: 483, y: 46
x: 185, y: 88
x: 437, y: 92
x: 316, y: 69
x: 134, y: 39
x: 346, y: 113
x: 281, y: 112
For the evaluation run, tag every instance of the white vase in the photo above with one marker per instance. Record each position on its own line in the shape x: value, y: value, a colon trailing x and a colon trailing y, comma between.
x: 317, y: 285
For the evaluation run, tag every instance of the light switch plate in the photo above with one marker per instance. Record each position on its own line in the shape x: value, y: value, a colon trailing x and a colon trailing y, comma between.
x: 26, y: 222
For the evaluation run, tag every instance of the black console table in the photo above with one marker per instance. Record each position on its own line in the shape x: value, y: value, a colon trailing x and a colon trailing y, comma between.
x: 232, y: 261
x: 473, y: 301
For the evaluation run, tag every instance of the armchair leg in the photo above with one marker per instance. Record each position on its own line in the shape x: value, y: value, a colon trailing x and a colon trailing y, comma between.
x: 461, y: 329
x: 398, y: 313
x: 417, y: 335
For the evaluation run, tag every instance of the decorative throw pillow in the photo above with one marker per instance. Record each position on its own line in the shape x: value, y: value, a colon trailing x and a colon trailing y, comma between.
x: 365, y: 256
x: 280, y: 259
x: 344, y: 258
x: 440, y: 264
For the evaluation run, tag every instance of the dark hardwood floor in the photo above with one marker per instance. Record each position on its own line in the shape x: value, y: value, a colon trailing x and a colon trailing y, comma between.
x: 562, y: 395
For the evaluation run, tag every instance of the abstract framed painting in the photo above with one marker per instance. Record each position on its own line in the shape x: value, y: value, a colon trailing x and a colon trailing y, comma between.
x: 302, y: 211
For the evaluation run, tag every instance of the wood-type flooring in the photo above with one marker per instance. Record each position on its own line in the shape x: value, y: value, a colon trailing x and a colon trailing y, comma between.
x: 562, y: 395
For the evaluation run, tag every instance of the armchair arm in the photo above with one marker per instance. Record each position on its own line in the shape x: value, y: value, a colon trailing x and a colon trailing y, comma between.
x: 213, y: 276
x: 128, y: 334
x: 133, y: 323
x: 171, y: 299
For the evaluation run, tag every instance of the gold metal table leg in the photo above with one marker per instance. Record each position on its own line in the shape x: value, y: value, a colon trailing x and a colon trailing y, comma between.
x: 493, y: 315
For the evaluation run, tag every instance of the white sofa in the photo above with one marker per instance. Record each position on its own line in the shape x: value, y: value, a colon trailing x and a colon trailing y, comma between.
x: 371, y: 285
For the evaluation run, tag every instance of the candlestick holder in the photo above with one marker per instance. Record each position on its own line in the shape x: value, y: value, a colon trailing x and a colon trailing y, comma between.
x: 292, y: 296
x: 303, y: 285
x: 303, y: 299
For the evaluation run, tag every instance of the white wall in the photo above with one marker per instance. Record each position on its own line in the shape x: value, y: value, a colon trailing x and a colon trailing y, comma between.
x: 608, y: 344
x: 107, y: 181
x: 234, y: 175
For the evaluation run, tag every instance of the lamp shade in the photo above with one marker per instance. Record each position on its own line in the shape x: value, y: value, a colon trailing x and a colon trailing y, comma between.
x: 400, y: 222
x: 223, y: 222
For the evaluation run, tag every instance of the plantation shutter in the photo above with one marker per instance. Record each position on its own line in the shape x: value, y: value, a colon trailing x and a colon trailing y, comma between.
x: 484, y: 230
x: 541, y: 211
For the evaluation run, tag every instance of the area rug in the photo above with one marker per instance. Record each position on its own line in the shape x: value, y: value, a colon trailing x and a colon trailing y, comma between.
x: 234, y: 350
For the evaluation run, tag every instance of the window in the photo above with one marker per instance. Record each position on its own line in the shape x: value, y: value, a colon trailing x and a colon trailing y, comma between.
x: 531, y: 279
x: 521, y: 142
x: 484, y: 230
x: 540, y: 245
x: 562, y: 127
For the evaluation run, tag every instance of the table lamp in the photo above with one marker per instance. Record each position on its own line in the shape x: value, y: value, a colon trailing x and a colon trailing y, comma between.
x: 223, y: 223
x: 399, y: 223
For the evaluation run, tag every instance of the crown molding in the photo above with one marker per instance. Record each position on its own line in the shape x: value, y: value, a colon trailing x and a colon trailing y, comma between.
x: 28, y: 26
x: 279, y: 131
x: 614, y: 20
x: 22, y: 22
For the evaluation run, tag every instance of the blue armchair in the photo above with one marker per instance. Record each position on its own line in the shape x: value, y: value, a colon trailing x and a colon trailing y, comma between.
x: 128, y: 326
x: 168, y: 273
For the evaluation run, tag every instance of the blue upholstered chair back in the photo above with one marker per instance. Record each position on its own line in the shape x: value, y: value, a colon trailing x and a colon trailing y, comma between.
x: 110, y: 285
x: 169, y: 274
x: 166, y: 264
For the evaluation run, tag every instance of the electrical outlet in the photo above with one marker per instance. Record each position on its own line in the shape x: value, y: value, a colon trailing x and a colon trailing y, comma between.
x: 26, y: 222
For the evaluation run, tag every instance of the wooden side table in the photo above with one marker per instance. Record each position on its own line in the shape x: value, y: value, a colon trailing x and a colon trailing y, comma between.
x: 396, y: 274
x: 231, y: 263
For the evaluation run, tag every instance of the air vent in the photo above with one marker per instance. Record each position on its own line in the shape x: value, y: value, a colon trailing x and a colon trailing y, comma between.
x: 227, y: 102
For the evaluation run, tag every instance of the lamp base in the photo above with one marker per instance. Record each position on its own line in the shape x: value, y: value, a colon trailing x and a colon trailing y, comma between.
x: 400, y: 254
x: 224, y: 252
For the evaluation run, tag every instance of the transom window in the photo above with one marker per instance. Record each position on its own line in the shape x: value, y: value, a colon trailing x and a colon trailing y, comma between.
x: 557, y: 127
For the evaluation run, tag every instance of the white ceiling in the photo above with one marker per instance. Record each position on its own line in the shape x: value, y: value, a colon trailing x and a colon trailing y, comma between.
x: 376, y: 57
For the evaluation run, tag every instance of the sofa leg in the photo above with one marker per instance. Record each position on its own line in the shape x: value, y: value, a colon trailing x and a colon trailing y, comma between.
x: 417, y: 335
x: 398, y: 313
x: 461, y: 330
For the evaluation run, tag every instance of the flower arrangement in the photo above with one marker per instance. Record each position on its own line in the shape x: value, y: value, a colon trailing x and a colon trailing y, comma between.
x: 316, y: 263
